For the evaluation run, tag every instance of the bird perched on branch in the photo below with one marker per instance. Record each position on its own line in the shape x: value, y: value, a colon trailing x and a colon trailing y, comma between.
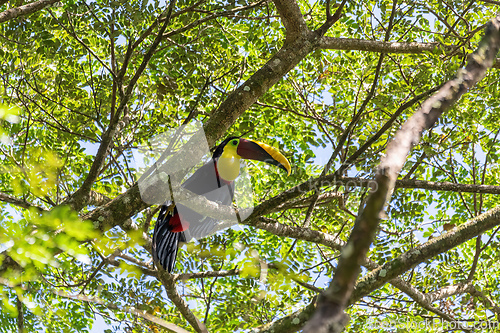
x: 215, y: 181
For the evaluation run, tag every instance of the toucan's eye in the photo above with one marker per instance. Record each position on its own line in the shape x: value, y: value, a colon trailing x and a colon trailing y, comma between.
x: 234, y: 142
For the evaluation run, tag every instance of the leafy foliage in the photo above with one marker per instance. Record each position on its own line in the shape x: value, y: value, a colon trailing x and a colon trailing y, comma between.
x: 62, y: 82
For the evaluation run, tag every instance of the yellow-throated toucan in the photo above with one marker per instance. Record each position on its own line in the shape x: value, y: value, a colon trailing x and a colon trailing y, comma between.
x: 178, y: 223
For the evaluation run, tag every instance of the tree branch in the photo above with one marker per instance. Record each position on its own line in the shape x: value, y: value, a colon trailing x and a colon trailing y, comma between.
x: 30, y: 8
x: 306, y: 234
x: 290, y: 323
x: 493, y: 2
x: 168, y: 282
x: 489, y: 304
x: 291, y: 17
x: 330, y: 19
x: 19, y: 202
x: 353, y: 44
x: 20, y: 315
x: 206, y: 274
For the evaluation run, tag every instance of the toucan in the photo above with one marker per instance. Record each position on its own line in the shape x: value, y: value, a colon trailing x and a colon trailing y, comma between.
x: 214, y: 180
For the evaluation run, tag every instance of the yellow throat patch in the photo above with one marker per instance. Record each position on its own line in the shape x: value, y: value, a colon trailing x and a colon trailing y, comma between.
x: 228, y: 165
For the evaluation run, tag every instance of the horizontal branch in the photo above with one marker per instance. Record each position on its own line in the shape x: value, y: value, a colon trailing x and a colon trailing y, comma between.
x: 322, y: 199
x: 128, y: 204
x: 122, y: 208
x: 30, y: 8
x: 291, y: 323
x: 206, y: 274
x: 493, y: 2
x: 429, y: 185
x: 354, y: 44
x: 18, y: 202
x: 305, y: 234
x: 331, y: 181
x: 447, y: 291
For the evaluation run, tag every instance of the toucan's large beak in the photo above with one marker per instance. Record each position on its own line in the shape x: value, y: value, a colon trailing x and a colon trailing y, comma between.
x: 253, y: 150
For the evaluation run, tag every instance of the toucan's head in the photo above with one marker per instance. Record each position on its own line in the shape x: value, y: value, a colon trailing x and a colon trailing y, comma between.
x: 231, y: 150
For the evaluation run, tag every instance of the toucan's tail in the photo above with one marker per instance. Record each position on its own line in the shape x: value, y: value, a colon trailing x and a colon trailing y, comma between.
x: 166, y: 242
